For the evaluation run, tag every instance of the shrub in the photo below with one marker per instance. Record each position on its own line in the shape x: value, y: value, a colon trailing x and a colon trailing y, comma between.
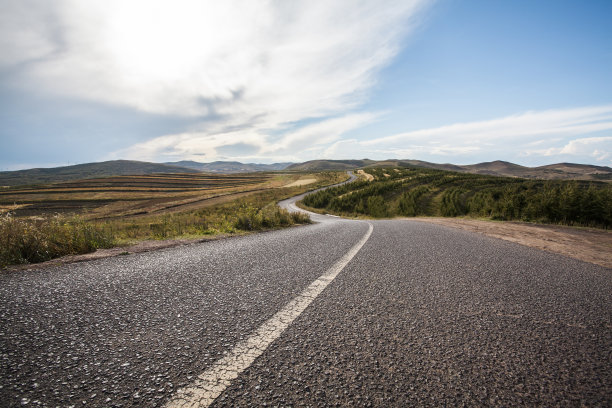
x: 27, y: 241
x: 252, y: 219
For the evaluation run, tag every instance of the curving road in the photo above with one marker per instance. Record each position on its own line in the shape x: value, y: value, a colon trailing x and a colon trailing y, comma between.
x: 341, y: 312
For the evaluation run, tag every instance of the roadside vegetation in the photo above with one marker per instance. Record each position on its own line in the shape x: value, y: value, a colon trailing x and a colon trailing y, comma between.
x: 244, y: 208
x: 413, y: 192
x: 38, y: 240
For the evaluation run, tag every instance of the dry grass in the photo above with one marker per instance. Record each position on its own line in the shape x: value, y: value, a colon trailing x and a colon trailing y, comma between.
x: 37, y: 240
x: 302, y: 182
x: 367, y: 176
x: 250, y: 213
x: 117, y: 196
x: 35, y: 230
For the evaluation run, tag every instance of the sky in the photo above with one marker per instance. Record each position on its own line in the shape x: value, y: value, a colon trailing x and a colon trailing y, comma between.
x: 446, y: 81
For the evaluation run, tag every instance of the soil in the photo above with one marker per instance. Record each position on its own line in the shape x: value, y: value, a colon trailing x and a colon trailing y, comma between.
x: 304, y: 182
x: 589, y: 245
x: 368, y: 176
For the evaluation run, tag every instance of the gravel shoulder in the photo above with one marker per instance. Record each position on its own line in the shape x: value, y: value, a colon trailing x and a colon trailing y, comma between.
x: 589, y: 245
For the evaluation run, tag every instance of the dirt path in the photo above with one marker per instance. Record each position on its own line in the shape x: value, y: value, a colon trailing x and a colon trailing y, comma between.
x: 303, y: 182
x: 589, y: 245
x: 368, y: 176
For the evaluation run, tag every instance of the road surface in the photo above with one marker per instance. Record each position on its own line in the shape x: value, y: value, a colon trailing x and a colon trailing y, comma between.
x: 341, y: 312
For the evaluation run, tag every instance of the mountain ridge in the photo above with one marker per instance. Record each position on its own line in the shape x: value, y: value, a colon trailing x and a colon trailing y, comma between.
x: 557, y: 171
x: 228, y: 167
x: 86, y: 170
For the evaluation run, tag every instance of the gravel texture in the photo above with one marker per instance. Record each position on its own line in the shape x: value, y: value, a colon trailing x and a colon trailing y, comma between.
x: 430, y: 316
x: 129, y: 330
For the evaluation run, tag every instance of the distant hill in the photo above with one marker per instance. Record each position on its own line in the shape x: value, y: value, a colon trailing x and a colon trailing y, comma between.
x: 84, y: 171
x: 497, y: 167
x: 354, y: 164
x: 330, y: 165
x: 565, y: 171
x: 559, y: 171
x: 229, y: 166
x: 420, y: 163
x: 574, y: 171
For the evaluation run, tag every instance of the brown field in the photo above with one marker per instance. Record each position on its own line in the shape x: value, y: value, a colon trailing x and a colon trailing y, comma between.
x: 127, y: 196
x: 39, y: 223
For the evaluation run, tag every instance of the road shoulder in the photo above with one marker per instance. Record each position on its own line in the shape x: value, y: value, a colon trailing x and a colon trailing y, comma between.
x: 589, y: 245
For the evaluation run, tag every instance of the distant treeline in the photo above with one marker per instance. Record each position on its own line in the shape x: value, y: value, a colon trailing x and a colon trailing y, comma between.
x: 415, y: 191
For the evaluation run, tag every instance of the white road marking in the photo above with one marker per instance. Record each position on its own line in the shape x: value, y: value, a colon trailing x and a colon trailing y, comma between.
x: 211, y: 383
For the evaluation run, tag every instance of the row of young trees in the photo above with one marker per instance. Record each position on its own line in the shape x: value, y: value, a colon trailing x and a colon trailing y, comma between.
x: 565, y: 203
x: 413, y: 192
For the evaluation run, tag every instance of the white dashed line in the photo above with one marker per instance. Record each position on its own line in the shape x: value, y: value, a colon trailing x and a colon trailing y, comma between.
x: 211, y: 383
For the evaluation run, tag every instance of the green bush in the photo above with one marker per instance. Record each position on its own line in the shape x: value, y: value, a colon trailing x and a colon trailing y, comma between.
x: 269, y: 217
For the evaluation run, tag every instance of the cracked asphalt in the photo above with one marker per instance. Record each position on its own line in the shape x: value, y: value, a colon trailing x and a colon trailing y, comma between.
x: 422, y: 315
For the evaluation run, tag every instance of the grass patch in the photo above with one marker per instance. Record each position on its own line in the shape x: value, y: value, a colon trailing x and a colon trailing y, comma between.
x: 38, y: 240
x: 252, y: 213
x: 41, y: 238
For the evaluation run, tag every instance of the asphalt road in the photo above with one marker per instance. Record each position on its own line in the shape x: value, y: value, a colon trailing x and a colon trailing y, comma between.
x: 419, y: 315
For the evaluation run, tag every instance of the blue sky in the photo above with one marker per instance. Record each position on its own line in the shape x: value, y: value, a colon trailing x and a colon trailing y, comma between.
x: 444, y: 81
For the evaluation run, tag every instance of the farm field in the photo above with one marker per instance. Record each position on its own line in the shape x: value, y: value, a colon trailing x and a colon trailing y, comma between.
x: 126, y: 196
x: 42, y: 222
x: 120, y: 196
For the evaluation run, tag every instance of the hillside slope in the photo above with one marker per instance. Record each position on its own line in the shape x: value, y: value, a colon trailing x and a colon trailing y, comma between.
x: 87, y: 170
x: 410, y: 192
x: 560, y: 171
x: 228, y: 167
x: 330, y: 165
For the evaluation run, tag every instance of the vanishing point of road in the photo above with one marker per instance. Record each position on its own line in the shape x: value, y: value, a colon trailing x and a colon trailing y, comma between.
x: 338, y: 313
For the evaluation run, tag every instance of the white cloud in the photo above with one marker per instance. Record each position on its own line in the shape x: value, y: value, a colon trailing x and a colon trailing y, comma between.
x: 307, y: 141
x: 323, y: 132
x: 256, y: 71
x: 563, y: 134
x: 516, y: 128
x: 555, y: 135
x: 589, y: 145
x: 26, y: 32
x: 279, y: 62
x: 598, y: 148
x: 187, y: 146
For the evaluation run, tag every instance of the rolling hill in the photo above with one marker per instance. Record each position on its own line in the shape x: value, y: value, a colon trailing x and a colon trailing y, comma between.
x: 560, y: 171
x: 228, y: 167
x: 84, y: 171
x: 354, y: 164
x: 127, y: 167
x: 331, y: 165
